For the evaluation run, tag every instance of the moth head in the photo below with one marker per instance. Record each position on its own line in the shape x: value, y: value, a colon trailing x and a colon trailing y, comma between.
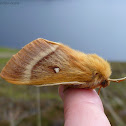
x: 100, y: 80
x: 101, y: 70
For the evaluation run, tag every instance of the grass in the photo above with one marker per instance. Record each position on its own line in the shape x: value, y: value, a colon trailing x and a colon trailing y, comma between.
x: 8, y: 50
x: 24, y: 98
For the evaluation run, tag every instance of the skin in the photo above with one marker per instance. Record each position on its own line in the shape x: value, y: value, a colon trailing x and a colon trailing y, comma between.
x: 82, y: 108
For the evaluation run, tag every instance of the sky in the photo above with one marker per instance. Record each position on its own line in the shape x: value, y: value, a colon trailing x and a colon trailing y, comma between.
x: 91, y: 26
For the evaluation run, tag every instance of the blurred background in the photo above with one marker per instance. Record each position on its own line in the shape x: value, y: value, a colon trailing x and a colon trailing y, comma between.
x: 91, y: 26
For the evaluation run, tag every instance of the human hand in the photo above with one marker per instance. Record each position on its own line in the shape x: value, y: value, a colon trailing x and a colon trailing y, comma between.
x: 82, y: 108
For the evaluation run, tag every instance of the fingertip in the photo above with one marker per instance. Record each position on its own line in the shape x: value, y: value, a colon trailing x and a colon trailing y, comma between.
x: 81, y: 105
x: 76, y: 95
x: 73, y: 96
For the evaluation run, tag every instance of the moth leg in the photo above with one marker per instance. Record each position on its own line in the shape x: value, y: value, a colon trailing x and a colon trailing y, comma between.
x: 66, y: 87
x: 99, y: 90
x: 75, y: 86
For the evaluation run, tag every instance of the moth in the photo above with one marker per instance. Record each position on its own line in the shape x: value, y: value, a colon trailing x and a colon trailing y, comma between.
x: 47, y: 63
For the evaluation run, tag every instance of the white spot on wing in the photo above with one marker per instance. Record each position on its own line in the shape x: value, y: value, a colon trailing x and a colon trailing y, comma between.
x: 56, y: 69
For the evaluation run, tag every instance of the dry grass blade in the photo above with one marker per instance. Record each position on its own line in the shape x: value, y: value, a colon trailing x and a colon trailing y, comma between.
x: 108, y: 106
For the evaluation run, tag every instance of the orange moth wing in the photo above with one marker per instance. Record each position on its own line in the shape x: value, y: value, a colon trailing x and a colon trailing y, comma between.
x: 45, y: 63
x: 41, y: 62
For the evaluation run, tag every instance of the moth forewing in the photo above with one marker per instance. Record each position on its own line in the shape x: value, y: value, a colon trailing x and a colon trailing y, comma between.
x: 43, y: 62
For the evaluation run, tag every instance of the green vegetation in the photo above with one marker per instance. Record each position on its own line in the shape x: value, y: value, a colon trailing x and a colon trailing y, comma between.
x: 8, y: 50
x: 19, y: 103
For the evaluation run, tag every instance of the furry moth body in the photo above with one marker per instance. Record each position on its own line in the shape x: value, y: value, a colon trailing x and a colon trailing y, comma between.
x: 47, y: 63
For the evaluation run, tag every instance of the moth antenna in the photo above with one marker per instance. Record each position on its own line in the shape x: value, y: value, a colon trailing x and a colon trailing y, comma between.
x: 99, y: 90
x: 117, y: 80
